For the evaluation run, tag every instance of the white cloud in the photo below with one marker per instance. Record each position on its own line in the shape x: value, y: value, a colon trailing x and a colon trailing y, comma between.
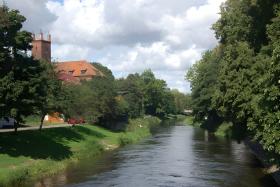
x: 130, y: 36
x: 38, y: 15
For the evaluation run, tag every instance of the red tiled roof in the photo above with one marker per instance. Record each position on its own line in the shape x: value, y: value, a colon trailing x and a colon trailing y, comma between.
x: 77, y: 69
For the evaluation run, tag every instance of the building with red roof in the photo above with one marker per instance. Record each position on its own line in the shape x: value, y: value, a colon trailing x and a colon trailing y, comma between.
x: 81, y: 70
x: 70, y: 71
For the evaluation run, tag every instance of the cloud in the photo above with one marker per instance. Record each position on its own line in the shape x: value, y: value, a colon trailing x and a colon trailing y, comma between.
x: 36, y: 12
x: 130, y: 36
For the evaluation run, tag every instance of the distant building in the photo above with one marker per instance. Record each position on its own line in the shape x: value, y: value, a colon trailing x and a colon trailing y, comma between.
x: 80, y: 70
x: 68, y: 79
x: 69, y: 72
x: 188, y: 112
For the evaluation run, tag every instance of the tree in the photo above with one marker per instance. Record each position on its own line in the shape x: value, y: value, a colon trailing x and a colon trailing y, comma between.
x: 21, y: 82
x: 105, y: 71
x: 157, y: 97
x: 95, y: 100
x: 131, y: 89
x: 235, y: 23
x: 235, y: 83
x: 182, y: 101
x: 246, y: 89
x: 266, y: 124
x: 54, y: 100
x: 244, y: 21
x: 204, y: 81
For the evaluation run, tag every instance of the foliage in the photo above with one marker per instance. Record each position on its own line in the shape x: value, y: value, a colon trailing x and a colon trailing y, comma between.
x: 21, y: 82
x: 104, y: 70
x: 204, y: 82
x: 95, y: 100
x: 131, y: 90
x: 266, y: 124
x: 145, y: 94
x: 181, y: 101
x: 54, y: 101
x: 234, y: 93
x: 244, y: 79
x: 224, y: 130
x: 157, y: 98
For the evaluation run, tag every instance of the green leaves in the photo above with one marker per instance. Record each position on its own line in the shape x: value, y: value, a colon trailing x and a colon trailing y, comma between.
x: 203, y: 77
x: 245, y: 75
x: 23, y: 86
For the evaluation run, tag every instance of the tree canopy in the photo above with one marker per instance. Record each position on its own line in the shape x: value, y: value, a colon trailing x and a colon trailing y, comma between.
x: 21, y: 80
x: 239, y: 79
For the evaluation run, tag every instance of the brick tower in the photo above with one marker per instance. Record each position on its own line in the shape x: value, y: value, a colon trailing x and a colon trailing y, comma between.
x: 41, y: 48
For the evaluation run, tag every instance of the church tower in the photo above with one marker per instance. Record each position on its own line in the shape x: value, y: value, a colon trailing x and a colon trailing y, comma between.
x: 41, y: 47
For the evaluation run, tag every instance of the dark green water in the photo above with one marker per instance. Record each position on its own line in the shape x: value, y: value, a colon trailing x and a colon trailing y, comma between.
x: 176, y: 156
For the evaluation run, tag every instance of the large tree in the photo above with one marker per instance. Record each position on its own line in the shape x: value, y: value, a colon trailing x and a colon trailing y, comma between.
x: 266, y: 124
x: 204, y: 80
x: 247, y: 86
x: 131, y: 89
x: 21, y: 80
x: 54, y: 95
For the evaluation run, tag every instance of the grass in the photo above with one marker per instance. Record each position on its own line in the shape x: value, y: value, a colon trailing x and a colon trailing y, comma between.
x: 224, y: 130
x: 189, y: 120
x: 33, y: 154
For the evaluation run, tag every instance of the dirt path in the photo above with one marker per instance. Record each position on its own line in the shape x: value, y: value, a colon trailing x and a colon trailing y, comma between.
x: 35, y: 128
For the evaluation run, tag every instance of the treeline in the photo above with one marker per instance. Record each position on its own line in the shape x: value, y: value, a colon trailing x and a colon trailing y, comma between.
x: 239, y: 80
x: 107, y: 101
x: 31, y: 87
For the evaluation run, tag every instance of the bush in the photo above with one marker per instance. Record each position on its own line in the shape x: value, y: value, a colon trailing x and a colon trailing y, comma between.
x: 224, y: 130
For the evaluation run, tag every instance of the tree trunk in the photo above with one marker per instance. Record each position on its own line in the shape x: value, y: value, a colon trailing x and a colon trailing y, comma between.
x: 16, y: 125
x: 41, y: 122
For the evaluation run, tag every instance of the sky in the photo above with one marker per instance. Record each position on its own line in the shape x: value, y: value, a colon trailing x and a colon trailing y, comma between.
x: 127, y: 36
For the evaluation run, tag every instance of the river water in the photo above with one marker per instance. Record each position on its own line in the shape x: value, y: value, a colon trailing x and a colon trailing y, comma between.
x: 175, y: 156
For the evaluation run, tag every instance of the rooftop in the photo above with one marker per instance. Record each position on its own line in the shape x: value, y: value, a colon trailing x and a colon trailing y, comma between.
x: 80, y: 68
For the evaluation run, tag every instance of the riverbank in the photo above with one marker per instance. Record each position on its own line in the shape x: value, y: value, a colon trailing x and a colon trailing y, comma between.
x: 262, y: 155
x: 31, y: 155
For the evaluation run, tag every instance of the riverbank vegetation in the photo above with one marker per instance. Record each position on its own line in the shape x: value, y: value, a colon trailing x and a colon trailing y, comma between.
x: 35, y: 154
x: 238, y: 81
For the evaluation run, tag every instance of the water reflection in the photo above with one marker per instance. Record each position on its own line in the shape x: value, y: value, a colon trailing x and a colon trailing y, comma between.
x: 176, y: 156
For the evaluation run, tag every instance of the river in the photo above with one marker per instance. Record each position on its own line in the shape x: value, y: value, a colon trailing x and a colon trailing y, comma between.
x: 176, y: 156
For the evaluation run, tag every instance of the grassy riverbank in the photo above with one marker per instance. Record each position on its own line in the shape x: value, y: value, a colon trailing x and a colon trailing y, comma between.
x: 189, y: 120
x: 224, y: 130
x: 34, y: 154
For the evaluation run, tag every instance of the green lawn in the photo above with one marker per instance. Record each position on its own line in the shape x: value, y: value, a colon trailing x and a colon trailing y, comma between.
x: 33, y: 154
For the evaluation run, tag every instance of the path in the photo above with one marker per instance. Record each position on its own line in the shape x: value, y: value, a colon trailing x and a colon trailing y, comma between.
x: 34, y: 128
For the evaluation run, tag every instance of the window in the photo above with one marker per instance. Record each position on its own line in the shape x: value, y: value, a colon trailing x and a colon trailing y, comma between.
x: 83, y: 72
x: 71, y: 72
x: 61, y: 71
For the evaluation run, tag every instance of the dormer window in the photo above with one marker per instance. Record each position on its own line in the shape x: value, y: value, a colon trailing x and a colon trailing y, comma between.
x: 61, y: 71
x: 71, y: 72
x: 83, y: 72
